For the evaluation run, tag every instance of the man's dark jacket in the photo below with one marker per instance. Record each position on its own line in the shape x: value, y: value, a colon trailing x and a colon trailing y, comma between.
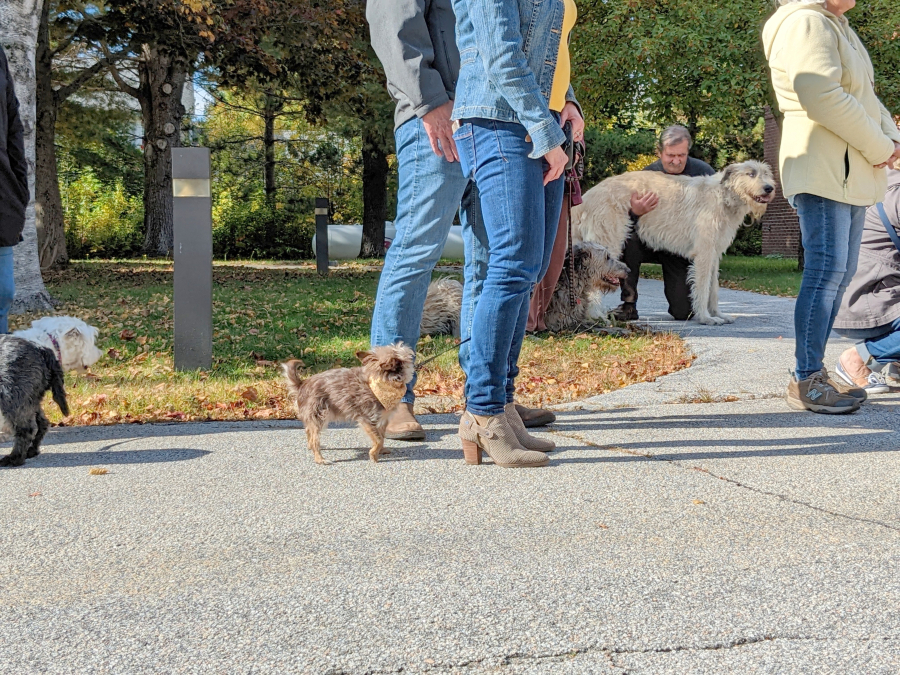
x: 416, y: 43
x: 13, y: 167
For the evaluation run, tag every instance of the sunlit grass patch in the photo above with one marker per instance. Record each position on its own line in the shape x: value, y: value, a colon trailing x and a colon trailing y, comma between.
x: 266, y: 313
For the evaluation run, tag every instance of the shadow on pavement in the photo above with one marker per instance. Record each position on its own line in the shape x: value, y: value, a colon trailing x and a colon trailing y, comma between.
x: 106, y: 455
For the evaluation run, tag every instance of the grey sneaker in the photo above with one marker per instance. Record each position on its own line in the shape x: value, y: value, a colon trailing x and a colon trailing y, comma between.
x: 844, y: 383
x: 892, y: 374
x: 816, y: 394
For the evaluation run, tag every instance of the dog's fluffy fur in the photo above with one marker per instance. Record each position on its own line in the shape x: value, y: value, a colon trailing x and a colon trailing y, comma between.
x: 27, y: 371
x: 345, y: 394
x: 440, y: 315
x: 74, y: 337
x: 597, y: 272
x: 697, y: 218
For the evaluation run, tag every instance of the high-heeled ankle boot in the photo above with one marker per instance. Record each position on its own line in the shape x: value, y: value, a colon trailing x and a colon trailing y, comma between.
x: 495, y: 436
x: 526, y: 440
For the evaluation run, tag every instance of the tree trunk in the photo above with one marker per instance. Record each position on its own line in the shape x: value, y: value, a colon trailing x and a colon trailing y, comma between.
x: 162, y: 77
x: 19, y: 28
x: 49, y: 221
x: 375, y: 176
x: 269, y: 113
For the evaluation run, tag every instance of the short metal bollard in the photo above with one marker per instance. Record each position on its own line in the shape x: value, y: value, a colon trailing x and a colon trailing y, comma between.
x: 192, y: 217
x: 322, y: 211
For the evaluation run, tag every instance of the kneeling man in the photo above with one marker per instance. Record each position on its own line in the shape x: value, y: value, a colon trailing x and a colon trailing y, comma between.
x: 674, y: 144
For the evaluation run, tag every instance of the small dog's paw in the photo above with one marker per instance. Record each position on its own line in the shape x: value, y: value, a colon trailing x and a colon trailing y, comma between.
x: 727, y: 318
x: 324, y: 462
x: 9, y: 460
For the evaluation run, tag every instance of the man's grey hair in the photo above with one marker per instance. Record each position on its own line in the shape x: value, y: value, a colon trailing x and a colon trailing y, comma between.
x: 674, y: 135
x: 803, y: 2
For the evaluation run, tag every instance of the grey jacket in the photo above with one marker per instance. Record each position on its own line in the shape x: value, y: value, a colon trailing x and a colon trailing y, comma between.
x: 416, y: 42
x: 873, y: 297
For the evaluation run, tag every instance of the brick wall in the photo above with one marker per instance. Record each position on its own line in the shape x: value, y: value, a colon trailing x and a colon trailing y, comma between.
x: 780, y: 226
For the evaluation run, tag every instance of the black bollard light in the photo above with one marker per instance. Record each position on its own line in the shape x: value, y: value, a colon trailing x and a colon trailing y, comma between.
x: 322, y: 211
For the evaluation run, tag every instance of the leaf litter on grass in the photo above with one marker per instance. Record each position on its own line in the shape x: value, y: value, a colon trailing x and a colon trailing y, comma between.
x: 266, y: 314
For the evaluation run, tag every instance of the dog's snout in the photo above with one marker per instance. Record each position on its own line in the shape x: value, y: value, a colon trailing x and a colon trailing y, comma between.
x: 768, y: 189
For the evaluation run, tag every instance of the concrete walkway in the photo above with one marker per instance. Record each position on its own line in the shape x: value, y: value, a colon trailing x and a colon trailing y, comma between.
x: 665, y: 538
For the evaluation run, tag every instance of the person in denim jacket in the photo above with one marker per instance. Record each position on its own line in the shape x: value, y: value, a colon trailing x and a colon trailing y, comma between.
x: 416, y: 43
x: 513, y: 97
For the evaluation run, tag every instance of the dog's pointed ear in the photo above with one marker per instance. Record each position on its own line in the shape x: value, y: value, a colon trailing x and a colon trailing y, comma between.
x: 364, y: 356
x: 73, y: 332
x: 729, y: 172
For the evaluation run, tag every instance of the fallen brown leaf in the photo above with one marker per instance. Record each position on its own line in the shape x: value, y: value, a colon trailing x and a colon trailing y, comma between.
x: 98, y: 472
x: 126, y: 334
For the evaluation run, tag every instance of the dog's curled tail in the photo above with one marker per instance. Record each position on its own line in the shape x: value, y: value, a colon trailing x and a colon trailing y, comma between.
x: 289, y: 370
x: 57, y: 380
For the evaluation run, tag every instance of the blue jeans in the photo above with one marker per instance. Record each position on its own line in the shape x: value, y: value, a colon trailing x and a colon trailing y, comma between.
x: 7, y: 286
x: 832, y: 232
x: 520, y: 217
x: 428, y: 196
x: 882, y: 342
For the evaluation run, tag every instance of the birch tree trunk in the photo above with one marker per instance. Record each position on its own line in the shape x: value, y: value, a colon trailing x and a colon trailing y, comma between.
x: 18, y: 32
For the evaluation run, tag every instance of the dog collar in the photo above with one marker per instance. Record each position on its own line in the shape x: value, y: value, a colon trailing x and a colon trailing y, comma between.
x: 56, y: 348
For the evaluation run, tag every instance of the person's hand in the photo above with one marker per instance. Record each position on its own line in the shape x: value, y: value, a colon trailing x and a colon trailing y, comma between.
x: 556, y: 160
x: 894, y: 160
x: 440, y: 132
x: 642, y: 204
x: 570, y: 114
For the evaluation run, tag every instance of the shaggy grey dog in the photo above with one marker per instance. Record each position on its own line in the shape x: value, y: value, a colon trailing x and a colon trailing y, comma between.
x: 27, y: 371
x: 697, y: 218
x: 596, y: 272
x: 440, y: 315
x: 366, y: 395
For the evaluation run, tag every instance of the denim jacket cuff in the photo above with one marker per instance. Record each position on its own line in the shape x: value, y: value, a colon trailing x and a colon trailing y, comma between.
x: 545, y: 137
x: 570, y: 98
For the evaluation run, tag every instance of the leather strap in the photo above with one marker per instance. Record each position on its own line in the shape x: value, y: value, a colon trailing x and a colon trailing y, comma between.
x: 570, y: 182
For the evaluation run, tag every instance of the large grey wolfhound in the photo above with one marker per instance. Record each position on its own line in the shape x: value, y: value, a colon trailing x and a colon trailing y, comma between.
x: 697, y: 218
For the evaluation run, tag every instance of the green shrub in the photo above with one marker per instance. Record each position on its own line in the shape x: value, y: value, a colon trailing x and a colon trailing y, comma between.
x: 259, y: 229
x: 748, y: 241
x: 102, y: 221
x: 610, y: 152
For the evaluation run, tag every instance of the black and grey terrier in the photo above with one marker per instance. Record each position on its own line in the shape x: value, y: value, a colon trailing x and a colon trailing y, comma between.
x: 27, y: 371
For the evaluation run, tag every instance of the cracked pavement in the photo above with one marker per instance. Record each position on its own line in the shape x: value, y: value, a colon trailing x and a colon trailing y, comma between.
x: 665, y: 537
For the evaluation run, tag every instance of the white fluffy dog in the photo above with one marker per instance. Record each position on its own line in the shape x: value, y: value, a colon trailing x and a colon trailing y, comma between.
x: 697, y: 218
x: 71, y: 339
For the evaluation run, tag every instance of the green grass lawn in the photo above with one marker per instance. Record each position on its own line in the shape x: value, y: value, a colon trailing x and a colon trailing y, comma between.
x: 264, y: 313
x: 771, y: 276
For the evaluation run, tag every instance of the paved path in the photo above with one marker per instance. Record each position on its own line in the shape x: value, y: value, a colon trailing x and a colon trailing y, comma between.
x: 665, y: 538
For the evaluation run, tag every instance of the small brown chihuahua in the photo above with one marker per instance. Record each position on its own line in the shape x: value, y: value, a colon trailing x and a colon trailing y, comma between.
x: 367, y: 394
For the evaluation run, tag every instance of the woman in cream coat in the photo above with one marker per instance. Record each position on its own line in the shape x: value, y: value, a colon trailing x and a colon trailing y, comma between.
x: 837, y: 138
